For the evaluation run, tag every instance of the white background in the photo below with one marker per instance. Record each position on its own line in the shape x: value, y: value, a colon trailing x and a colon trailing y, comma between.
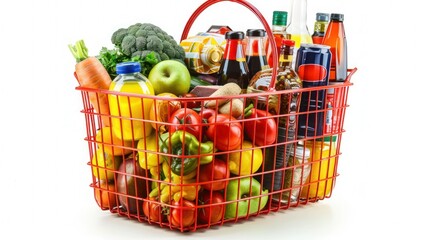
x: 382, y: 190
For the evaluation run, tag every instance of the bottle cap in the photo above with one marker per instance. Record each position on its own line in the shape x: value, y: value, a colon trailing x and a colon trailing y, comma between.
x: 234, y: 35
x: 255, y: 33
x: 288, y: 42
x: 128, y: 67
x: 337, y: 17
x: 322, y: 17
x: 280, y: 18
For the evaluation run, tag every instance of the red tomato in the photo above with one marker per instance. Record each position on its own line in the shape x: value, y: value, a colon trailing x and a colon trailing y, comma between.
x: 190, y: 103
x: 206, y: 113
x: 186, y: 119
x: 226, y: 130
x: 212, y: 213
x: 216, y: 170
x: 152, y: 210
x: 183, y: 214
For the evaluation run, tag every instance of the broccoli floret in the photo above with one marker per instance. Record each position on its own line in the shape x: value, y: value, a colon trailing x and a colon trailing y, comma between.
x: 118, y: 36
x: 142, y: 37
x: 128, y: 45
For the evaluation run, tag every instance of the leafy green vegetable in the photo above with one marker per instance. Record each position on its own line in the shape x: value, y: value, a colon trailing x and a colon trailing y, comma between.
x: 110, y: 57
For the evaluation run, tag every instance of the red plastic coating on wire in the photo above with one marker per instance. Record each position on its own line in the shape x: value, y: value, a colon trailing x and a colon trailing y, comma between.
x: 253, y: 9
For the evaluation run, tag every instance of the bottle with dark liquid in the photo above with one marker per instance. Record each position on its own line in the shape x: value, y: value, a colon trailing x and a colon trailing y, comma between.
x: 234, y: 66
x: 335, y: 37
x: 256, y: 57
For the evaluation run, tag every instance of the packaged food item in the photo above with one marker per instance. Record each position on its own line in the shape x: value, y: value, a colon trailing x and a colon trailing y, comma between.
x: 124, y: 108
x: 234, y: 66
x: 256, y: 57
x: 323, y: 159
x: 203, y: 52
x: 322, y: 21
x: 294, y: 176
x: 278, y: 29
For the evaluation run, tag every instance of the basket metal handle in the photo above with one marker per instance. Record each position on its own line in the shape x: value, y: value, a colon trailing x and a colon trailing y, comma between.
x: 258, y: 14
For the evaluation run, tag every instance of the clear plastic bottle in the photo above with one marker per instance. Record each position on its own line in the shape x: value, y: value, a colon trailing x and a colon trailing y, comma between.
x: 256, y: 57
x: 278, y: 29
x: 335, y: 37
x: 122, y: 107
x: 297, y: 27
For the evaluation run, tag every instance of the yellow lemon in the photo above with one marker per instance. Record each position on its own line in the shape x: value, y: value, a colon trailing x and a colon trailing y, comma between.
x: 111, y: 144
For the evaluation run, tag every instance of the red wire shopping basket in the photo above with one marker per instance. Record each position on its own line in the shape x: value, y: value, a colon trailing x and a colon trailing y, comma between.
x: 207, y: 173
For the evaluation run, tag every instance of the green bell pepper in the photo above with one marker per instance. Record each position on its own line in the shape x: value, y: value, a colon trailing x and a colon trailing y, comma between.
x: 185, y: 144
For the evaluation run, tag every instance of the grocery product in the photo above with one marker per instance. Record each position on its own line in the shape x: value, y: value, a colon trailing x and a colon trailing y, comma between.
x: 278, y: 28
x: 255, y: 51
x: 312, y: 65
x: 297, y: 27
x: 234, y: 67
x: 322, y: 20
x: 123, y: 108
x: 335, y: 37
x: 323, y: 157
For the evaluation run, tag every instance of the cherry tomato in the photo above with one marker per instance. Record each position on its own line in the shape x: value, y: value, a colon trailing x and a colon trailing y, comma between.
x: 152, y: 210
x: 216, y: 170
x: 188, y: 120
x: 226, y: 130
x: 190, y: 103
x: 183, y: 213
x: 212, y: 213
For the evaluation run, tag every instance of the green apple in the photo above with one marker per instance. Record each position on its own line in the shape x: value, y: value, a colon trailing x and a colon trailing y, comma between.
x: 170, y: 76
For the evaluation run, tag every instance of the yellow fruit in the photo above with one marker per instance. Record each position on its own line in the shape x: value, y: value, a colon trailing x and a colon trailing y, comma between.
x: 111, y: 144
x: 103, y: 165
x: 147, y: 152
x: 247, y: 161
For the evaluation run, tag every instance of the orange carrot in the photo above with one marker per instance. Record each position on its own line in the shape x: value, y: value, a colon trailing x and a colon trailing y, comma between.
x: 90, y: 73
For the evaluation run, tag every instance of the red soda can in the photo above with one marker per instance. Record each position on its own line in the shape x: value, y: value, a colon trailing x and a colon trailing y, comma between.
x: 313, y: 62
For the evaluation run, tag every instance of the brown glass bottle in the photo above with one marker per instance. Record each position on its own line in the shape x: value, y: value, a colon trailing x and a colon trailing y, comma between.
x: 234, y: 67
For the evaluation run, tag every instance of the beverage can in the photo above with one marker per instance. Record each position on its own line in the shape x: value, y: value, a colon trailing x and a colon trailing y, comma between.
x: 313, y: 62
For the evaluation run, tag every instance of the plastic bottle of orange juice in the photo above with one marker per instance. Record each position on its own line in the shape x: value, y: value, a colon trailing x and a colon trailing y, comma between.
x: 123, y: 108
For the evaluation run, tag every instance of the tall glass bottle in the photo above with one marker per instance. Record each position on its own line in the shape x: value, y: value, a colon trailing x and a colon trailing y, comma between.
x: 297, y: 27
x: 322, y: 21
x: 234, y: 67
x: 286, y: 79
x: 278, y: 29
x: 335, y: 37
x: 256, y: 57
